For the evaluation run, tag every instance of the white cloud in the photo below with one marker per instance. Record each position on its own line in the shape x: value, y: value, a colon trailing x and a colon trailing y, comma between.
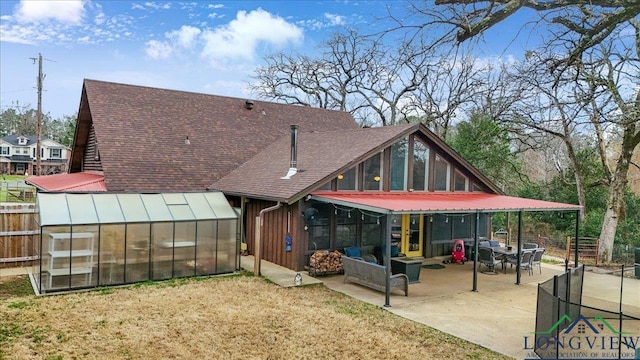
x: 184, y: 37
x: 68, y: 11
x: 158, y: 50
x: 215, y: 6
x: 334, y: 20
x: 241, y: 36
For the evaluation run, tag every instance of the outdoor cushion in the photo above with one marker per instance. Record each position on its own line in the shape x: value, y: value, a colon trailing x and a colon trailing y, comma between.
x: 353, y: 251
x: 484, y: 244
x: 494, y: 243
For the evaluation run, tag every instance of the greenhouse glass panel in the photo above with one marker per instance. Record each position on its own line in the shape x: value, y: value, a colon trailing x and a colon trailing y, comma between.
x: 52, y: 251
x: 226, y: 246
x: 53, y: 209
x: 138, y: 246
x: 111, y: 258
x: 84, y: 238
x: 156, y: 207
x: 200, y: 206
x: 108, y: 209
x: 181, y: 212
x: 133, y: 208
x: 81, y: 209
x: 184, y: 251
x: 220, y: 206
x: 162, y: 250
x: 174, y: 199
x: 206, y: 250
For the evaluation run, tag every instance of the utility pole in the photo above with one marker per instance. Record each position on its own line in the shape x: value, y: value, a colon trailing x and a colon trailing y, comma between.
x: 39, y: 114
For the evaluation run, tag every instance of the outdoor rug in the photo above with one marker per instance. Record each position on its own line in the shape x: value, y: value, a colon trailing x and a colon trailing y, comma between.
x: 433, y: 266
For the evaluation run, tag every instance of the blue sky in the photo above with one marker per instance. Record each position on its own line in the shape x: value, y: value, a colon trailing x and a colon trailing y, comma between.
x: 199, y: 46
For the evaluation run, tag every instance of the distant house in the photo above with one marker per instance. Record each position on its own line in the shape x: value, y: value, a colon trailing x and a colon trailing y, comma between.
x: 18, y: 155
x: 303, y: 179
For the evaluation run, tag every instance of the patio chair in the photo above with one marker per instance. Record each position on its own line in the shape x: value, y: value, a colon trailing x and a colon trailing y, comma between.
x: 537, y: 259
x: 529, y: 245
x: 526, y: 256
x: 487, y: 258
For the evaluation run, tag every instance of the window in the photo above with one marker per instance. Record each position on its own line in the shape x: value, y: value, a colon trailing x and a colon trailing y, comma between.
x: 441, y: 227
x: 372, y: 230
x: 4, y: 150
x: 460, y: 182
x: 442, y: 175
x: 319, y: 228
x: 346, y: 228
x: 347, y: 180
x: 55, y: 153
x: 399, y: 165
x: 372, y: 173
x: 420, y: 166
x: 21, y: 151
x: 22, y: 141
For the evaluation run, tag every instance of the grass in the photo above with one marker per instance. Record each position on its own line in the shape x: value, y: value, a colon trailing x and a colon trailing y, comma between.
x: 234, y: 317
x: 11, y: 178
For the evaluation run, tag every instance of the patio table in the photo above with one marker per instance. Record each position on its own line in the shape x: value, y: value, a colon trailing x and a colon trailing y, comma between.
x: 504, y: 253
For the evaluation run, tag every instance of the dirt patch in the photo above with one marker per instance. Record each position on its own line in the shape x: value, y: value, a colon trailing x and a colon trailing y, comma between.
x: 236, y: 317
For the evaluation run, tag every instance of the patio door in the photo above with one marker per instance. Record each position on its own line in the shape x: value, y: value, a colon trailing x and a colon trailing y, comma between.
x: 412, y: 226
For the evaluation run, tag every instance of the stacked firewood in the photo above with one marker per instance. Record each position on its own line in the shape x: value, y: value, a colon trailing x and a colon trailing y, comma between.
x: 325, y: 262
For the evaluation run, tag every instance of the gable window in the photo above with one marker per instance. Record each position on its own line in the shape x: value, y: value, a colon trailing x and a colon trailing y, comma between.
x: 442, y: 175
x: 22, y: 141
x: 460, y: 182
x: 420, y: 166
x: 399, y: 165
x: 55, y: 153
x: 347, y: 180
x: 373, y: 173
x: 4, y: 150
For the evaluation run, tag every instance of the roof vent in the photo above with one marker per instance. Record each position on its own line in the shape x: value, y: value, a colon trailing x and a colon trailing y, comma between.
x: 248, y: 104
x: 187, y: 141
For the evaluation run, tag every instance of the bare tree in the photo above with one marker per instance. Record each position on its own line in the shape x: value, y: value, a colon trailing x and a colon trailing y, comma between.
x: 353, y: 73
x: 598, y: 42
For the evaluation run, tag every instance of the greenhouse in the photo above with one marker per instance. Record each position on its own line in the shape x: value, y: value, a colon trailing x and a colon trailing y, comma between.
x: 92, y: 240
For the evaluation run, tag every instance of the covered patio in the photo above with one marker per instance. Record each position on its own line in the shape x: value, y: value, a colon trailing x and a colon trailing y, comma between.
x: 388, y: 204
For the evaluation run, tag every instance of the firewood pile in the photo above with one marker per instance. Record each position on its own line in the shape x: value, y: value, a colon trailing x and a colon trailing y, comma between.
x: 325, y: 263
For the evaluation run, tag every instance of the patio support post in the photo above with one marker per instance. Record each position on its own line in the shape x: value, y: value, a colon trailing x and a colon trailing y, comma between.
x: 577, y: 232
x: 475, y: 253
x: 519, y: 247
x: 387, y: 261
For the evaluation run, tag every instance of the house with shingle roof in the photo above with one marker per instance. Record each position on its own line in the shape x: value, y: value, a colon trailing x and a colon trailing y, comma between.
x: 18, y: 155
x: 303, y: 179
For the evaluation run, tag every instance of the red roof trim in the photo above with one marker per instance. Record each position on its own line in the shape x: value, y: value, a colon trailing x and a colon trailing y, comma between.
x: 74, y: 182
x: 437, y: 202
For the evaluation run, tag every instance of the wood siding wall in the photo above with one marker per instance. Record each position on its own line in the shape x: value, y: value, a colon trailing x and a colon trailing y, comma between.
x: 17, y: 231
x: 276, y: 224
x: 91, y: 160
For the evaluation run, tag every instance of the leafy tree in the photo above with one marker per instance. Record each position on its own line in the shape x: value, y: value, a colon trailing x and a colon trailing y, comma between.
x: 487, y: 145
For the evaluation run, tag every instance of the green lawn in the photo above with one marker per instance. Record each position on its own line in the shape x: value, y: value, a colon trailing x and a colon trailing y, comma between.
x: 11, y: 178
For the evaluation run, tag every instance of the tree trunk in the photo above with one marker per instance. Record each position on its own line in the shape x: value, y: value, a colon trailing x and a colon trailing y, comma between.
x: 615, y: 199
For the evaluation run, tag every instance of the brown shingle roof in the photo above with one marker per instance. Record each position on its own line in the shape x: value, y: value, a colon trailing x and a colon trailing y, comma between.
x: 141, y: 134
x: 321, y: 156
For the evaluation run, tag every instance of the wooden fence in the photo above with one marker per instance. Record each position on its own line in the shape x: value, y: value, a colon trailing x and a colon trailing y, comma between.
x: 11, y: 192
x: 587, y: 249
x: 18, y: 228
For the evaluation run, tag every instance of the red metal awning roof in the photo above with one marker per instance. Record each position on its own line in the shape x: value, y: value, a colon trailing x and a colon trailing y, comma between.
x: 74, y: 182
x: 436, y: 202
